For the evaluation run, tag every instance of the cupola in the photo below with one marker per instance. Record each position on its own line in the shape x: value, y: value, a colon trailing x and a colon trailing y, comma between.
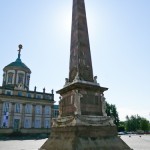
x: 16, y: 75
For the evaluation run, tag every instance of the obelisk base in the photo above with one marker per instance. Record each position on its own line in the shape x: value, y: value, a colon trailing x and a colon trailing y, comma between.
x: 84, y: 138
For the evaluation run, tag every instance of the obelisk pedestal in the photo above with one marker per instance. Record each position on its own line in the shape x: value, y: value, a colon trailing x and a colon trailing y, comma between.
x: 83, y: 123
x: 84, y: 138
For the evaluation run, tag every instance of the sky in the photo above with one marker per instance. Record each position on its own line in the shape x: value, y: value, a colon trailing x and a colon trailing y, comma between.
x: 119, y: 33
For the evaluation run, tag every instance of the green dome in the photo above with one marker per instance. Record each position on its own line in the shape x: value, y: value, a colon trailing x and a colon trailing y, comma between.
x: 17, y: 64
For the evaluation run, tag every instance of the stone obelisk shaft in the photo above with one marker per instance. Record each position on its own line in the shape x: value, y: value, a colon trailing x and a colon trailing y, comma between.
x: 80, y: 55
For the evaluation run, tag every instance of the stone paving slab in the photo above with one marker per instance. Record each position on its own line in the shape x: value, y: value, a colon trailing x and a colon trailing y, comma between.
x: 135, y: 142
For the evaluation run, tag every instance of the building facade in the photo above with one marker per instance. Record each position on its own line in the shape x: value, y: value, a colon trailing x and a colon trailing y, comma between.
x: 23, y: 110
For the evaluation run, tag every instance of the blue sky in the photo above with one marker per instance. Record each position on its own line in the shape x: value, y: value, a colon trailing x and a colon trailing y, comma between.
x: 119, y: 32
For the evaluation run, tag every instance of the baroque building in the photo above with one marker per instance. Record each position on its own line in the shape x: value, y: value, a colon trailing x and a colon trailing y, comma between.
x: 23, y: 110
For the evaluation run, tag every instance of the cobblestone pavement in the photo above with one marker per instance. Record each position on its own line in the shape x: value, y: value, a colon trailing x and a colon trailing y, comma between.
x: 135, y: 142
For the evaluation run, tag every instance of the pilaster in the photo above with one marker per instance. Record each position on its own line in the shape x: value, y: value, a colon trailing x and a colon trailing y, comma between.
x: 33, y: 115
x: 11, y: 115
x: 43, y: 116
x: 15, y: 77
x: 23, y: 115
x: 1, y: 109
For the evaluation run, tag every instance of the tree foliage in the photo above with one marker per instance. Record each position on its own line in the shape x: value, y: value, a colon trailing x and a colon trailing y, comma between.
x: 144, y: 124
x: 135, y: 123
x: 111, y: 110
x: 121, y: 127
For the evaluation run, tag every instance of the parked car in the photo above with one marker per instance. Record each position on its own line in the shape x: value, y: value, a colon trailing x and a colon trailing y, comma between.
x: 121, y: 133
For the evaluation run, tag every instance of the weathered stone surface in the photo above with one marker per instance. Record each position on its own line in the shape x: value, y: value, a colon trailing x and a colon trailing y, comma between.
x: 80, y: 55
x: 82, y: 123
x: 83, y: 98
x: 84, y: 138
x: 83, y: 120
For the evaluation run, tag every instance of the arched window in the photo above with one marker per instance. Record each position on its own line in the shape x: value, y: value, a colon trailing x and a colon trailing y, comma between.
x: 38, y: 110
x: 20, y: 77
x: 5, y: 107
x: 47, y: 110
x: 17, y: 108
x: 10, y: 77
x: 28, y: 80
x: 28, y: 108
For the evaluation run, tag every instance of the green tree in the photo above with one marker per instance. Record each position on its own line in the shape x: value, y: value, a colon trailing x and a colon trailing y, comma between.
x: 121, y: 126
x: 144, y: 125
x: 135, y: 123
x: 108, y: 111
x: 111, y: 110
x: 128, y: 124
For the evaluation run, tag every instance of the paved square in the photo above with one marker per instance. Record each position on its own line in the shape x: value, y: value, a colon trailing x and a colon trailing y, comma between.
x: 135, y: 142
x: 21, y: 144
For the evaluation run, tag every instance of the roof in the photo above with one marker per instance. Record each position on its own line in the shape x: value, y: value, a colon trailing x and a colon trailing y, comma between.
x: 19, y: 64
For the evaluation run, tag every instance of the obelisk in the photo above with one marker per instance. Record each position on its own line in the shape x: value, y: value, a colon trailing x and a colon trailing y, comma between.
x: 82, y: 123
x: 80, y: 55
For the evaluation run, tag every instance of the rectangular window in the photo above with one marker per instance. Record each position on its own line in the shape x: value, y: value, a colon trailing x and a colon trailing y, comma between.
x: 47, y: 123
x: 29, y: 95
x: 19, y: 93
x: 38, y: 96
x: 48, y: 97
x: 27, y: 123
x: 47, y: 110
x: 37, y: 123
x: 8, y: 92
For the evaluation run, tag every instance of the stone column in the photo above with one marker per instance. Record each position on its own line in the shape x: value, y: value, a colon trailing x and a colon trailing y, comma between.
x: 23, y: 115
x: 15, y: 78
x: 33, y: 115
x: 1, y: 113
x: 11, y: 115
x: 6, y: 77
x: 25, y: 80
x: 43, y: 114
